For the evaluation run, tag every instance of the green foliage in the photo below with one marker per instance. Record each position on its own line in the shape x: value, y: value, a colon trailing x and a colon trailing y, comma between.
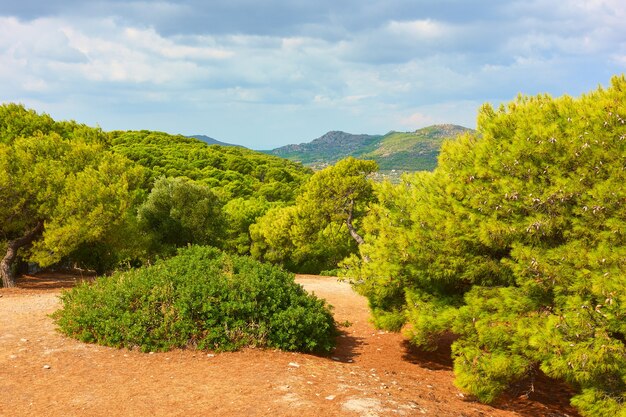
x: 73, y: 178
x: 240, y: 214
x: 516, y: 244
x: 230, y: 172
x: 18, y: 122
x: 125, y: 245
x: 314, y: 234
x: 71, y: 185
x: 230, y: 187
x: 179, y: 212
x: 202, y: 298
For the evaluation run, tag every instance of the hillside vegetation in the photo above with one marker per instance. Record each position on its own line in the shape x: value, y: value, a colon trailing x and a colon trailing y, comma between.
x: 229, y: 171
x: 404, y: 151
x: 75, y: 195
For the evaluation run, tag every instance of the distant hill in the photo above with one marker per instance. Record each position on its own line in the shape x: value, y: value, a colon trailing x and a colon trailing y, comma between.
x: 211, y: 141
x: 403, y: 151
x: 329, y: 148
x: 230, y: 171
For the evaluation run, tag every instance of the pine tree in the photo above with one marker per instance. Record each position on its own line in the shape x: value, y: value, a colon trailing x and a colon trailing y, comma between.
x: 517, y: 244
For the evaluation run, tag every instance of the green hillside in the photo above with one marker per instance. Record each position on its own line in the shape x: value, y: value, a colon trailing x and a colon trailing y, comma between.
x: 231, y: 170
x: 400, y: 151
x: 413, y: 151
x: 328, y: 149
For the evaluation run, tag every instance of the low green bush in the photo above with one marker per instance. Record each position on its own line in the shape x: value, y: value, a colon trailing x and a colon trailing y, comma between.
x: 203, y: 299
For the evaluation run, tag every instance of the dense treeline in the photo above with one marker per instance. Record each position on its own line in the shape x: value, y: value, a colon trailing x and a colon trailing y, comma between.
x: 76, y: 195
x: 204, y: 194
x: 231, y: 172
x: 516, y: 244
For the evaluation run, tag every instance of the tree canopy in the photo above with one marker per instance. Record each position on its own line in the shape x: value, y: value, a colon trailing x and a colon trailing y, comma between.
x: 230, y: 171
x: 321, y: 228
x: 57, y: 192
x: 179, y: 211
x: 71, y: 192
x: 516, y: 243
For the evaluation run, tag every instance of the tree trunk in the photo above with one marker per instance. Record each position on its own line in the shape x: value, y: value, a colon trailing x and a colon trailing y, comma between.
x: 352, y: 230
x: 357, y: 237
x: 8, y: 278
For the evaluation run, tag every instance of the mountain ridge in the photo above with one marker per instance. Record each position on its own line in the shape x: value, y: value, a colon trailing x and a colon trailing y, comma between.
x: 210, y: 141
x: 405, y: 151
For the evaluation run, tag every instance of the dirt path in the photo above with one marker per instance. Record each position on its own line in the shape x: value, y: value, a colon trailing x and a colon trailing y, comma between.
x: 370, y: 374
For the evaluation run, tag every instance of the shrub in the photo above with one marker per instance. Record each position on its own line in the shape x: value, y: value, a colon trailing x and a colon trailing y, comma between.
x: 202, y: 298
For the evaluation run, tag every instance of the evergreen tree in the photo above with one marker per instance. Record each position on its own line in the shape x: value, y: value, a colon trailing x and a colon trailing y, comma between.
x: 516, y: 243
x: 321, y: 228
x: 57, y: 194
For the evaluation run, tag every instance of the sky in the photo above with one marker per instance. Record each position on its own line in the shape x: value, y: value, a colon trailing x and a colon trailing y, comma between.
x: 266, y: 73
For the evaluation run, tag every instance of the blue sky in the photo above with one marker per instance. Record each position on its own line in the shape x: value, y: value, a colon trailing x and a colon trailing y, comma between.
x: 267, y: 73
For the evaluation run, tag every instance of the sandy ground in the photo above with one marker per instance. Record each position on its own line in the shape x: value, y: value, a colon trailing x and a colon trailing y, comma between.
x: 371, y: 373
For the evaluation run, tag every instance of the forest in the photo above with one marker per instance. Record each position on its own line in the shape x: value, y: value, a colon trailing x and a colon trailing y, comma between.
x: 514, y: 245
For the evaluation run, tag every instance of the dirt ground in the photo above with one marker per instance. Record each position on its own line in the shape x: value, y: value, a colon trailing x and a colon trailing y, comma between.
x: 371, y: 373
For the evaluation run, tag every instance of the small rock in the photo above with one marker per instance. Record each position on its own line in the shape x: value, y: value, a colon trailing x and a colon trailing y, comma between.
x: 335, y: 358
x: 294, y: 365
x: 23, y: 340
x: 46, y: 367
x: 210, y: 355
x: 330, y: 397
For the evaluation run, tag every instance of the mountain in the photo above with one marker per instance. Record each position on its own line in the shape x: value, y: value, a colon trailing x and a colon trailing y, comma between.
x: 329, y: 148
x: 211, y: 141
x: 404, y: 151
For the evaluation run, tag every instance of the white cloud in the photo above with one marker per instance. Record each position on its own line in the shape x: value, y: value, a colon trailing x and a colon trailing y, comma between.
x: 419, y: 29
x: 415, y: 121
x: 150, y: 41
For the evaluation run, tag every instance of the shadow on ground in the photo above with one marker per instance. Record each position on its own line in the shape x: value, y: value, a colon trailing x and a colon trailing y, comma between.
x: 439, y: 359
x: 347, y: 348
x: 52, y: 280
x: 536, y: 395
